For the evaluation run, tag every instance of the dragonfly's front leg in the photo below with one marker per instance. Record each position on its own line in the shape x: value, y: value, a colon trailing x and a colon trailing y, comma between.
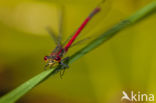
x: 62, y: 73
x: 45, y: 67
x: 63, y: 64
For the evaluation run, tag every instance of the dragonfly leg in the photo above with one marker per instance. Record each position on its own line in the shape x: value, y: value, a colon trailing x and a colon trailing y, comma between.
x: 50, y: 66
x: 62, y: 73
x: 45, y: 67
x: 67, y: 58
x: 63, y: 65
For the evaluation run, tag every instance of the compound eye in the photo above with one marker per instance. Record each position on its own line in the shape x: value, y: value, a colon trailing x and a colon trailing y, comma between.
x: 45, y: 58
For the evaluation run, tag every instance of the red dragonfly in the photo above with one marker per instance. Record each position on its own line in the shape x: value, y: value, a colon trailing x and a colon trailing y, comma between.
x: 58, y: 53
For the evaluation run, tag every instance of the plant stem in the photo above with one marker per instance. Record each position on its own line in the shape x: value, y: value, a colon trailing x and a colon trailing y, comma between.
x: 17, y: 93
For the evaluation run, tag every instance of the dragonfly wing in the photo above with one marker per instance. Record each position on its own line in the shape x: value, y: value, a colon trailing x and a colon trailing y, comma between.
x: 54, y: 37
x: 57, y: 39
x: 60, y: 23
x: 68, y: 38
x: 81, y: 41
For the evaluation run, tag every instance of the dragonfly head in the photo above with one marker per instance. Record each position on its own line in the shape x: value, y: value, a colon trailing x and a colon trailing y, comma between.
x: 50, y: 61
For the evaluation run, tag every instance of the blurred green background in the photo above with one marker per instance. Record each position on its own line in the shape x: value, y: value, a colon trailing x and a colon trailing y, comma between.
x: 125, y: 62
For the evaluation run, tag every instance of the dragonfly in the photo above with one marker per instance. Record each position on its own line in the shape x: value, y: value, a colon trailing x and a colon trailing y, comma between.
x: 57, y: 55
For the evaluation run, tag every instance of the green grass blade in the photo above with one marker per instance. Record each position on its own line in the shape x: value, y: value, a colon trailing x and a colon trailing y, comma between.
x: 25, y: 87
x: 17, y: 93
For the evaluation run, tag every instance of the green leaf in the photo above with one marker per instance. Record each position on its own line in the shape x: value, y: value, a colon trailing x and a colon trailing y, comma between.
x: 17, y: 93
x: 25, y: 87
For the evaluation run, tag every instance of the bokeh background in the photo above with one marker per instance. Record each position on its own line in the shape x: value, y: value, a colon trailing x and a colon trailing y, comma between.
x: 125, y: 62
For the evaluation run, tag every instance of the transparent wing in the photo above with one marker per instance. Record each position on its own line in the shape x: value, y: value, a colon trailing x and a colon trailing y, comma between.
x: 85, y: 40
x: 81, y: 41
x: 54, y: 37
x: 98, y: 22
x: 61, y: 16
x: 68, y: 38
x: 57, y: 38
